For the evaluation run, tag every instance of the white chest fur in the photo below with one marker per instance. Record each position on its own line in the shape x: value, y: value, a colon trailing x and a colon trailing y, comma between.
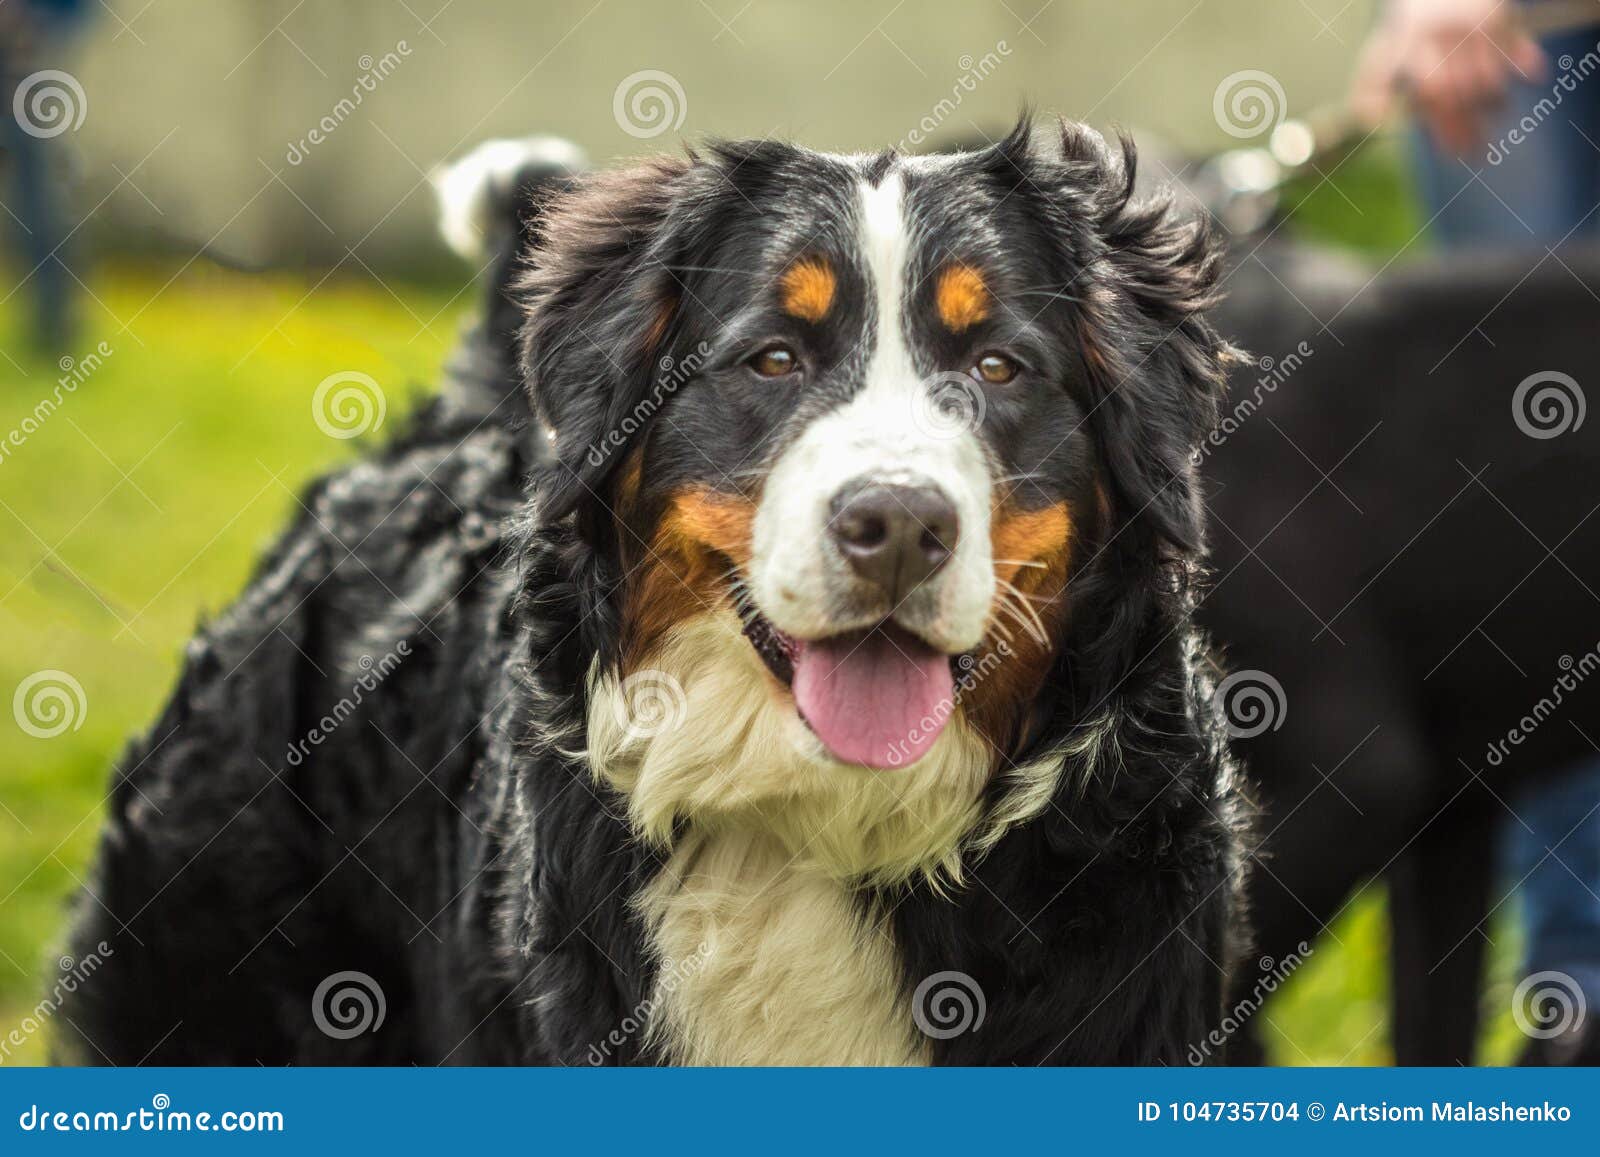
x: 768, y: 961
x: 766, y: 954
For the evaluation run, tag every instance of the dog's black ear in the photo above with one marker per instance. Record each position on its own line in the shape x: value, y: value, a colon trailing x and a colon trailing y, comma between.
x: 1155, y: 366
x: 601, y: 303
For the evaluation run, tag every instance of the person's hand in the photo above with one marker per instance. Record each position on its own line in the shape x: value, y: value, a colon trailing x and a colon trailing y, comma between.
x: 1452, y: 58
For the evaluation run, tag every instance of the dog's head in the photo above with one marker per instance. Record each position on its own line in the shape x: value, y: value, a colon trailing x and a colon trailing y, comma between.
x: 853, y: 429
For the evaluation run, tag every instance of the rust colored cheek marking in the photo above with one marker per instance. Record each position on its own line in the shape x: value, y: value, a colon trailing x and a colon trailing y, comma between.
x: 807, y: 289
x: 1021, y: 538
x: 1032, y: 552
x: 682, y: 574
x: 701, y: 519
x: 961, y: 297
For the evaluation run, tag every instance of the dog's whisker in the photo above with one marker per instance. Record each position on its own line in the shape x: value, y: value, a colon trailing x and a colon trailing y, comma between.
x: 1025, y: 618
x: 1021, y: 602
x: 1046, y: 600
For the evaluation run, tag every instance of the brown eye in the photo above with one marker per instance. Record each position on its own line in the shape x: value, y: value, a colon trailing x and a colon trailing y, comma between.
x: 775, y: 362
x: 996, y: 369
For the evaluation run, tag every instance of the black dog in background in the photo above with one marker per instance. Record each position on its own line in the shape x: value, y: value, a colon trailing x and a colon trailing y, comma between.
x: 1405, y: 525
x: 480, y: 837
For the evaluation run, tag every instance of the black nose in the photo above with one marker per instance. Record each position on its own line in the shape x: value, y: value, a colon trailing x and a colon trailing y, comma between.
x: 894, y: 535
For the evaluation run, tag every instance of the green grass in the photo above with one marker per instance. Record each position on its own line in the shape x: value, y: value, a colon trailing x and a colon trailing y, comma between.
x: 138, y: 507
x: 141, y: 504
x: 1366, y: 203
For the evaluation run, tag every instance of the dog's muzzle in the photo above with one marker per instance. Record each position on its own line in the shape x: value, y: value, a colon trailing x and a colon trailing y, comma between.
x: 871, y: 571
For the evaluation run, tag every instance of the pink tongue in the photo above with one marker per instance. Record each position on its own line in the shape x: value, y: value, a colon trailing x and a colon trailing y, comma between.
x: 879, y: 700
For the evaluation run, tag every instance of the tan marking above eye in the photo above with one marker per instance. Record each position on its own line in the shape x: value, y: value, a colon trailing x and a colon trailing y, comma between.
x: 961, y: 297
x: 807, y: 289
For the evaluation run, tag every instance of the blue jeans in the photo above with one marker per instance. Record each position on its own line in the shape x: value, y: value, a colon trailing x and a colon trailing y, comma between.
x: 1543, y: 184
x: 40, y: 229
x: 1542, y: 176
x: 1560, y: 856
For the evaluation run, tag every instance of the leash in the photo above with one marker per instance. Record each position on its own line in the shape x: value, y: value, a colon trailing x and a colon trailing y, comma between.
x: 1242, y: 186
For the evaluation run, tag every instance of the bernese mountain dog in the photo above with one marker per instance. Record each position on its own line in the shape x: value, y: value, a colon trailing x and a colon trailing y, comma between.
x: 774, y: 647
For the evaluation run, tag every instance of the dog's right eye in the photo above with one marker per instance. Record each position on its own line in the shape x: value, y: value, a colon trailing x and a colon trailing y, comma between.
x: 775, y: 361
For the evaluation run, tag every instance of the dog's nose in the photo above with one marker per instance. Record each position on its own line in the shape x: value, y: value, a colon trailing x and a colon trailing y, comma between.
x: 894, y: 535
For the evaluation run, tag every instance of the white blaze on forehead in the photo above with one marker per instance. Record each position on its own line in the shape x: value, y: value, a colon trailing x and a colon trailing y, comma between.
x: 888, y: 432
x: 886, y: 249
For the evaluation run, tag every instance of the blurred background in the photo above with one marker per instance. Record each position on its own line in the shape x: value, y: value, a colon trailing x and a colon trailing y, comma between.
x: 240, y: 200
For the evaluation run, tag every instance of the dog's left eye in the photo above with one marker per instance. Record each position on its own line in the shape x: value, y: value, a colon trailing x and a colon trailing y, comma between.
x: 996, y: 369
x: 775, y: 362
